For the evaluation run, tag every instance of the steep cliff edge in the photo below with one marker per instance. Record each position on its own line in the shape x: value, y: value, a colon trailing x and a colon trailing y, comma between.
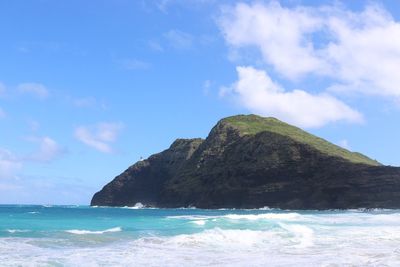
x: 144, y: 181
x: 249, y: 162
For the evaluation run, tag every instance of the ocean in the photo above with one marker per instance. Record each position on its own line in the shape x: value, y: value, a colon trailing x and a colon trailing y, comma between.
x: 32, y: 235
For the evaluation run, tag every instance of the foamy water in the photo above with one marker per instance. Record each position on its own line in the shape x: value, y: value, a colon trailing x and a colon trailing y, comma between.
x: 87, y: 232
x: 84, y: 236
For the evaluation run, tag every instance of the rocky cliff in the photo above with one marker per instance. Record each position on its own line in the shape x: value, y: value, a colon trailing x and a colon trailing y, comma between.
x: 250, y: 162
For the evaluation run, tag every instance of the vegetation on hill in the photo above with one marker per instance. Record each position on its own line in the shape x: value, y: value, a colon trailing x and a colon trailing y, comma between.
x: 253, y: 124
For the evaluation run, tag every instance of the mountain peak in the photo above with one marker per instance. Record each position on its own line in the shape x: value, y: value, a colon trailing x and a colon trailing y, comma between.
x: 254, y: 124
x: 248, y: 161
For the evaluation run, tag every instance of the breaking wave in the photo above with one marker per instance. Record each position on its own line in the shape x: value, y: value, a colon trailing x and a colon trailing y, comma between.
x: 163, y: 237
x: 87, y: 232
x: 13, y: 231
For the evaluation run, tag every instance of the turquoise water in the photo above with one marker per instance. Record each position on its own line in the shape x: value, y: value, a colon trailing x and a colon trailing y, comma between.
x: 95, y: 236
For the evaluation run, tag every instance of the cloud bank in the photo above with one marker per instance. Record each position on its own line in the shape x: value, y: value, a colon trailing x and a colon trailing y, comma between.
x: 357, y: 52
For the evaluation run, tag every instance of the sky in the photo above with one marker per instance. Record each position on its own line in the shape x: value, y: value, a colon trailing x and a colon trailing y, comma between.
x: 87, y: 88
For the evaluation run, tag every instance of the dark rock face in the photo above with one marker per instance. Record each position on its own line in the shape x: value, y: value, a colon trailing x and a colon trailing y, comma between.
x: 144, y: 181
x: 232, y: 170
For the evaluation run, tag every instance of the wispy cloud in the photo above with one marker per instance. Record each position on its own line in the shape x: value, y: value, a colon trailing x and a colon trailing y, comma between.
x: 99, y: 136
x: 135, y: 64
x: 84, y: 102
x: 156, y: 46
x: 2, y: 93
x: 2, y: 113
x: 179, y: 40
x: 36, y: 89
x: 256, y: 91
x: 163, y: 5
x: 207, y: 86
x: 47, y: 151
x: 9, y: 164
x: 33, y: 125
x: 3, y: 89
x: 59, y: 190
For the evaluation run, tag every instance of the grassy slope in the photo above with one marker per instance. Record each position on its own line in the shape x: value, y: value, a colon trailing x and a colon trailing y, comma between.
x: 253, y: 124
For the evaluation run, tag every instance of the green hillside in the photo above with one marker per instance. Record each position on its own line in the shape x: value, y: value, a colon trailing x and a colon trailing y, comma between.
x: 253, y: 124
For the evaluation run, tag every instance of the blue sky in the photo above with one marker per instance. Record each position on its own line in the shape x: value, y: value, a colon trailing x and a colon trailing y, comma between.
x: 89, y: 87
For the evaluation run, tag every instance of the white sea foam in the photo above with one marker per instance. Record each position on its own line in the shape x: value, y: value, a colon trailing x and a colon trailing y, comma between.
x: 33, y: 212
x: 13, y: 231
x: 199, y: 222
x: 264, y: 216
x: 302, y: 234
x: 87, y: 232
x: 191, y: 217
x: 288, y: 245
x: 265, y: 208
x: 300, y: 239
x: 251, y: 217
x: 137, y: 206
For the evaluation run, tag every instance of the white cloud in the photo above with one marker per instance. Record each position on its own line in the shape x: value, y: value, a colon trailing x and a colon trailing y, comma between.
x: 179, y: 39
x: 358, y: 51
x: 9, y: 164
x: 36, y: 89
x: 366, y: 53
x: 278, y: 32
x: 162, y: 5
x: 257, y: 92
x: 99, y: 136
x: 48, y: 150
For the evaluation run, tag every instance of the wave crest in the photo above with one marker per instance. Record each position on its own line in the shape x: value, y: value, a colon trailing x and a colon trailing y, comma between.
x: 87, y: 232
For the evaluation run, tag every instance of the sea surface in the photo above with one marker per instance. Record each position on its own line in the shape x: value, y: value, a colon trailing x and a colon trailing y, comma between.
x: 96, y: 236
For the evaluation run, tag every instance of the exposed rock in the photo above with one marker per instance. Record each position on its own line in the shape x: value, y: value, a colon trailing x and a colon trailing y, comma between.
x: 252, y: 162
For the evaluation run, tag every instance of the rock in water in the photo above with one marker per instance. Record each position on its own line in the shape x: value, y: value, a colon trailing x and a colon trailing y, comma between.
x: 248, y: 161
